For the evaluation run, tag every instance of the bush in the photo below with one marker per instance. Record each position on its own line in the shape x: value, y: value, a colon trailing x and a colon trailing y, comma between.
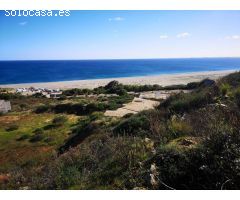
x: 121, y: 99
x: 121, y: 92
x: 67, y: 108
x: 136, y: 125
x: 128, y: 115
x: 83, y: 130
x: 212, y: 165
x: 179, y: 128
x: 49, y: 127
x: 23, y: 137
x: 62, y: 97
x: 12, y: 128
x: 9, y: 96
x: 192, y: 85
x: 232, y: 79
x: 38, y: 131
x: 76, y: 91
x: 99, y: 90
x: 36, y: 138
x: 142, y: 88
x: 38, y: 95
x: 224, y: 88
x: 42, y: 109
x: 59, y: 121
x: 85, y: 109
x: 237, y: 97
x: 175, y: 87
x: 23, y: 106
x: 113, y: 105
x: 112, y: 86
x: 92, y: 107
x: 96, y: 116
x: 181, y: 103
x: 79, y: 108
x: 49, y: 140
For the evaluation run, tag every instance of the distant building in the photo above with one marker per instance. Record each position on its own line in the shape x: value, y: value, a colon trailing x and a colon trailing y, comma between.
x: 5, y: 106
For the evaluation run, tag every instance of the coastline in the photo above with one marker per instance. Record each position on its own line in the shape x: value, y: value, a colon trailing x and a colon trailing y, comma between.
x: 163, y: 79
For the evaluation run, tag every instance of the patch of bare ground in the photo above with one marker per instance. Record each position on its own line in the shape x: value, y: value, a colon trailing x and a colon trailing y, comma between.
x: 8, y: 119
x: 22, y: 154
x: 133, y: 107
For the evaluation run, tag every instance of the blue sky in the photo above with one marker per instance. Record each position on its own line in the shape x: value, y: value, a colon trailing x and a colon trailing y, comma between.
x: 121, y: 34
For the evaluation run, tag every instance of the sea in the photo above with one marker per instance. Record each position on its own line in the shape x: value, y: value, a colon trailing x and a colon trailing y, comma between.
x: 13, y: 72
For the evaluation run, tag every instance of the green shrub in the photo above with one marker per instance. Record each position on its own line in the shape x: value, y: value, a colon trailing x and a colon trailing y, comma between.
x: 112, y: 105
x: 179, y: 128
x: 212, y: 165
x: 232, y: 79
x: 192, y: 85
x: 38, y: 95
x: 181, y: 103
x: 136, y: 125
x: 96, y: 115
x: 12, y: 127
x: 128, y: 115
x: 121, y: 92
x: 23, y: 106
x: 62, y: 97
x: 224, y: 88
x: 42, y: 109
x: 76, y: 91
x: 237, y: 97
x: 175, y: 87
x: 82, y: 131
x: 49, y: 127
x: 38, y: 131
x: 79, y: 108
x: 113, y: 87
x: 92, y: 107
x: 59, y: 121
x: 10, y: 96
x: 68, y: 108
x: 121, y: 99
x: 49, y: 140
x: 142, y: 88
x: 36, y: 138
x: 23, y: 137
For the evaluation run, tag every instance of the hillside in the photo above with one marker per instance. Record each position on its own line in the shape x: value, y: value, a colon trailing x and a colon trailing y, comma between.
x: 189, y: 141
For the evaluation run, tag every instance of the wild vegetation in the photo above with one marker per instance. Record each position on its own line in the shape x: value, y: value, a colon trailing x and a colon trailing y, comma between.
x: 114, y: 87
x: 190, y: 141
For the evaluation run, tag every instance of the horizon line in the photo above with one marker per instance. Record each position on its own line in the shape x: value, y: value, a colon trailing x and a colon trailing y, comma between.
x: 92, y: 59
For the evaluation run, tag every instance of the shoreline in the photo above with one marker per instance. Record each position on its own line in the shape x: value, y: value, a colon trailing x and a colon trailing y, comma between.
x: 163, y: 80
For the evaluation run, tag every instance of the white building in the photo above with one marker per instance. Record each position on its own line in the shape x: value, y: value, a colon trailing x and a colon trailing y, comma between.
x: 5, y: 106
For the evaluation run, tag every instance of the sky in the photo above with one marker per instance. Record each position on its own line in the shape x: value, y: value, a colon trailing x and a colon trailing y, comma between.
x: 121, y: 35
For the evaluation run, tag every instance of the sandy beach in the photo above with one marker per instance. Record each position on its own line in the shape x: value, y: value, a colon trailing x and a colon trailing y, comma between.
x: 164, y: 79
